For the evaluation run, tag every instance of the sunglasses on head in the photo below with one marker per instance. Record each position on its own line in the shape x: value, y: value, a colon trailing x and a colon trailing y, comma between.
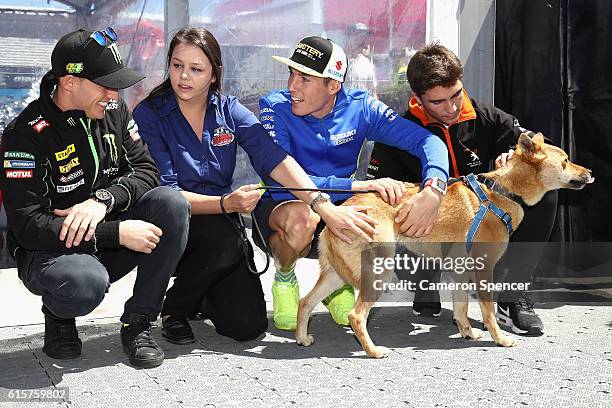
x: 102, y: 37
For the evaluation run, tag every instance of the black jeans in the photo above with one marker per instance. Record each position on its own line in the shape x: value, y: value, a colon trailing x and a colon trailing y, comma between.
x: 73, y: 284
x: 213, y: 269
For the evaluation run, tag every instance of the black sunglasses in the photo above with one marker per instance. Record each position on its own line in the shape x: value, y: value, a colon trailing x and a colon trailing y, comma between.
x: 102, y: 37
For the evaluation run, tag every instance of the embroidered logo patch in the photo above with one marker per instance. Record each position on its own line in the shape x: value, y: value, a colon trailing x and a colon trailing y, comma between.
x: 132, y: 128
x: 222, y: 137
x: 19, y: 164
x: 112, y: 104
x: 18, y: 155
x: 70, y: 187
x: 73, y: 163
x: 40, y: 125
x: 64, y: 154
x: 74, y: 67
x: 71, y: 176
x: 19, y: 174
x: 112, y: 146
x: 32, y: 122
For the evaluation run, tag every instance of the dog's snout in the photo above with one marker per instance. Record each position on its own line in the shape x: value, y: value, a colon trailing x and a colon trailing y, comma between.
x: 589, y: 176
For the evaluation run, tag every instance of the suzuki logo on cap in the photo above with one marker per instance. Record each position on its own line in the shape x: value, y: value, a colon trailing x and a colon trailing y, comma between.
x: 338, y: 65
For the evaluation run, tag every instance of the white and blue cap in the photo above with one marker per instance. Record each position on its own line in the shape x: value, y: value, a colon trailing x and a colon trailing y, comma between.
x: 318, y: 56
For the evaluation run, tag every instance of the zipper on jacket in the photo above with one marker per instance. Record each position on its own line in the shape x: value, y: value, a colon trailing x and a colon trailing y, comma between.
x: 451, y: 150
x: 92, y: 146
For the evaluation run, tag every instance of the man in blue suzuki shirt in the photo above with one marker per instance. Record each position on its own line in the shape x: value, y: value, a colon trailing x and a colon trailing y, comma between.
x: 324, y: 127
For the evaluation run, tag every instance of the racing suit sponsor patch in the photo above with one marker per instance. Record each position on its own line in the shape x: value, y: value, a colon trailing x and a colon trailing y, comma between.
x: 132, y: 128
x: 32, y: 122
x: 344, y: 137
x: 18, y: 155
x: 111, y: 171
x: 64, y: 154
x: 40, y: 125
x: 70, y: 187
x: 19, y: 164
x: 71, y: 176
x: 73, y: 163
x: 222, y: 137
x: 19, y: 174
x: 112, y: 104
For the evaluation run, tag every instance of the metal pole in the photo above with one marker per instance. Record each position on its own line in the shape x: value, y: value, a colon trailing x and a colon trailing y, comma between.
x: 176, y: 16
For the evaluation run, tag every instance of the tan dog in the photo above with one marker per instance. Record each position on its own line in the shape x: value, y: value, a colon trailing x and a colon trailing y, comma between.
x: 534, y: 169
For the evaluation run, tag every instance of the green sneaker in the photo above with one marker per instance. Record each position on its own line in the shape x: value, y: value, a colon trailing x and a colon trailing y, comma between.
x: 285, y: 298
x: 340, y: 303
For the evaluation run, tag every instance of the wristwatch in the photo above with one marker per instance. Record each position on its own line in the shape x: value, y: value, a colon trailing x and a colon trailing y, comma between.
x: 105, y: 197
x: 437, y: 184
x: 319, y: 198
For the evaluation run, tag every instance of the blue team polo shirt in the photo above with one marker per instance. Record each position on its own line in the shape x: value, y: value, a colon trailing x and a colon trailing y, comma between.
x: 204, y: 167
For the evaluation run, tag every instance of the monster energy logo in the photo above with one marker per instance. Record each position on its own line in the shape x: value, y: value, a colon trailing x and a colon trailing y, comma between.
x: 112, y: 147
x: 115, y: 50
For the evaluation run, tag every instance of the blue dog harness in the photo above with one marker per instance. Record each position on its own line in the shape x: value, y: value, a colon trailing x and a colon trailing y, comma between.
x: 486, y: 205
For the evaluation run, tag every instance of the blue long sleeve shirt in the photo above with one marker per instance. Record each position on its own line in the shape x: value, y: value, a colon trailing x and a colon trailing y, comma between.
x: 206, y: 166
x: 328, y: 148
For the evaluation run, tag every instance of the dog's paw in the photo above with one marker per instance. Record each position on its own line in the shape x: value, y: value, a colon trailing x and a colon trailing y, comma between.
x: 379, y: 352
x: 506, y: 341
x: 473, y: 334
x: 305, y: 340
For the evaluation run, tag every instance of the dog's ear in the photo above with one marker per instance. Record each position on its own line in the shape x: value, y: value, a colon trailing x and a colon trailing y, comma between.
x: 531, y: 148
x: 538, y: 138
x: 527, y: 144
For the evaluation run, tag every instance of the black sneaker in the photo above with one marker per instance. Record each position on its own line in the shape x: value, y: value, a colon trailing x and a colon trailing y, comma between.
x: 426, y: 303
x: 176, y: 330
x: 61, y: 337
x: 519, y: 317
x: 139, y: 344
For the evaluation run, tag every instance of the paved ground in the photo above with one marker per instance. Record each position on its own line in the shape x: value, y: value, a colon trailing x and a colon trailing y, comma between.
x: 430, y: 366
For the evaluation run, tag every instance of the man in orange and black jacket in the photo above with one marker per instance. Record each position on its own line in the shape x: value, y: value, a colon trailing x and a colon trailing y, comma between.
x: 475, y: 134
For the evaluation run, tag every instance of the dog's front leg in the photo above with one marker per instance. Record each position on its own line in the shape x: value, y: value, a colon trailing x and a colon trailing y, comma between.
x: 460, y: 314
x: 487, y: 308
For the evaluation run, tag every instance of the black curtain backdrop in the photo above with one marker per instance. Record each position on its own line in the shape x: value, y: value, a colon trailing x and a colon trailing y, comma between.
x: 554, y: 72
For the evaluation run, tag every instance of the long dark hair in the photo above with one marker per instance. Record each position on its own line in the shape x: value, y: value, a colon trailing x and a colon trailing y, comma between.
x: 204, y: 40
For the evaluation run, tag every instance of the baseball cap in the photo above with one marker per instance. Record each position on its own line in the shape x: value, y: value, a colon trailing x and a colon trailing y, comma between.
x: 318, y: 56
x: 79, y: 55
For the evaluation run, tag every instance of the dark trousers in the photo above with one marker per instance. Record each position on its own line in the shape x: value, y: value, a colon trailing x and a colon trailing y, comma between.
x: 519, y: 261
x: 527, y: 244
x: 74, y: 284
x: 213, y: 270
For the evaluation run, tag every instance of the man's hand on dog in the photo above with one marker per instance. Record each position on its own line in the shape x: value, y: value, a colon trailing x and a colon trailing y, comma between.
x: 351, y: 218
x: 418, y: 214
x: 503, y: 158
x: 389, y: 189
